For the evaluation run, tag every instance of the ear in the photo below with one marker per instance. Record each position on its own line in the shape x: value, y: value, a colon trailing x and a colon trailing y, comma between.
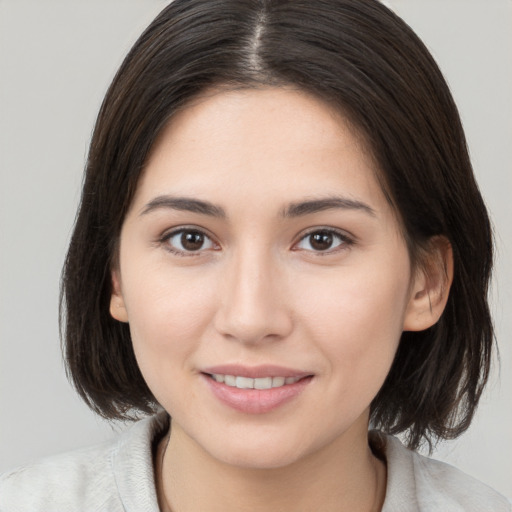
x: 117, y: 305
x: 431, y: 286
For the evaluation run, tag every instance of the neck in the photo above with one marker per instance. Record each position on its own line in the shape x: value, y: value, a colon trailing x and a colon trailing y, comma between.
x: 343, y: 476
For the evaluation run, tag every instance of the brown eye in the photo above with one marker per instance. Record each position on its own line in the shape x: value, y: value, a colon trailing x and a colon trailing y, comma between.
x: 188, y: 241
x: 324, y: 240
x: 192, y: 240
x: 321, y: 241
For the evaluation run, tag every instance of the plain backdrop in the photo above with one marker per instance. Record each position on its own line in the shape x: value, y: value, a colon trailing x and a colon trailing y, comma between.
x: 56, y: 61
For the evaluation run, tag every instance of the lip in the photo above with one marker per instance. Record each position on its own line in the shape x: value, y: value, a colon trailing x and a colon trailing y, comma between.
x: 256, y: 401
x: 256, y: 372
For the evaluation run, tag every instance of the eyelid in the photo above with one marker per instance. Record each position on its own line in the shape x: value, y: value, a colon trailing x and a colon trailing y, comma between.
x: 164, y: 238
x: 346, y: 239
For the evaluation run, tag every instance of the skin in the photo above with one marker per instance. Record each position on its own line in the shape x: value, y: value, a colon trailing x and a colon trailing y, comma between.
x: 258, y: 291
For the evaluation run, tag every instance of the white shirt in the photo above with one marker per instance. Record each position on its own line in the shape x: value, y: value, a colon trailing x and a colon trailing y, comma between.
x: 118, y: 476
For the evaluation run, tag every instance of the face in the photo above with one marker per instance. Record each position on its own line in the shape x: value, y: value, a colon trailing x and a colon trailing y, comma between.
x: 264, y: 277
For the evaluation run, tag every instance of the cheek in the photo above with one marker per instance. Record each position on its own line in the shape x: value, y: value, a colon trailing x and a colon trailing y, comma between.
x: 356, y: 320
x: 168, y: 314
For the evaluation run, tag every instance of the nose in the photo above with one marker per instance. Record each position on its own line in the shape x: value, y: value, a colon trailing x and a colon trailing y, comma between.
x: 253, y: 305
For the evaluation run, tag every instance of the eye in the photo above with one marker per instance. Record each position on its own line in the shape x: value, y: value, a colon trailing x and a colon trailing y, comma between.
x: 188, y: 241
x: 323, y: 240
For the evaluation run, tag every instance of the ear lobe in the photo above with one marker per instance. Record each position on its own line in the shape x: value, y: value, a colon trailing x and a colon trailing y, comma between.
x: 117, y: 305
x: 431, y: 286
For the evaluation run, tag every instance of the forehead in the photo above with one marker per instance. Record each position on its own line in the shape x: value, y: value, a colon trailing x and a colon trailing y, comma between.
x: 256, y: 141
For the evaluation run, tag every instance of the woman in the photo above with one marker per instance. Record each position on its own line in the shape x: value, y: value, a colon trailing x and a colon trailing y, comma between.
x: 280, y: 240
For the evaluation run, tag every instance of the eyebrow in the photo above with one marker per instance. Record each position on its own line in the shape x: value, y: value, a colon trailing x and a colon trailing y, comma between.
x: 297, y: 209
x: 183, y: 204
x: 319, y: 205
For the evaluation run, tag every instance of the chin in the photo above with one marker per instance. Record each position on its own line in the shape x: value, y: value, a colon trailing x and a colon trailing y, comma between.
x: 258, y: 459
x: 262, y: 450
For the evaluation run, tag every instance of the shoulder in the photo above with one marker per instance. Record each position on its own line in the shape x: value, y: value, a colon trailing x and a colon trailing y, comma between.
x: 416, y: 482
x: 106, y: 477
x: 67, y: 480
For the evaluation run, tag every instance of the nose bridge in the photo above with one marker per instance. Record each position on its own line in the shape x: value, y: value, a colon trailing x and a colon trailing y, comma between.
x: 252, y: 306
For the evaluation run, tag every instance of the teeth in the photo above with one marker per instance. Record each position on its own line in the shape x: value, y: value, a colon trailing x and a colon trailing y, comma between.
x: 263, y: 383
x: 230, y: 380
x: 236, y: 381
x: 244, y: 383
x: 277, y: 382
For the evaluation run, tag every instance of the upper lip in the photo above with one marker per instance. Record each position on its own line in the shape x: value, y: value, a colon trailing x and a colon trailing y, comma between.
x: 255, y: 372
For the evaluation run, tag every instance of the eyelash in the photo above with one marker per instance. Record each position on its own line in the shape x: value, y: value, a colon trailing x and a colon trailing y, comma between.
x: 345, y: 241
x: 165, y: 240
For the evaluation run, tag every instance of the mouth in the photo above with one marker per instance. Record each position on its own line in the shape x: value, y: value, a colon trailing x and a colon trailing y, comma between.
x: 256, y: 390
x: 241, y: 382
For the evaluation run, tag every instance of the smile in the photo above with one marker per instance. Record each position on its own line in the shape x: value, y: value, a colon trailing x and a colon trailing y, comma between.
x: 237, y: 381
x: 256, y: 389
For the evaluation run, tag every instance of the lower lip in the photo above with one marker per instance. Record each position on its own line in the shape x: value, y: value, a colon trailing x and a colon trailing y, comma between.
x: 256, y: 401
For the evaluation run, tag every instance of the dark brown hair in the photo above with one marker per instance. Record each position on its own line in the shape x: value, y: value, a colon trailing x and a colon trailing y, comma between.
x: 366, y: 62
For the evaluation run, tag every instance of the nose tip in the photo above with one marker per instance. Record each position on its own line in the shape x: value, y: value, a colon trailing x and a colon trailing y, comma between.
x: 253, y: 307
x: 250, y: 329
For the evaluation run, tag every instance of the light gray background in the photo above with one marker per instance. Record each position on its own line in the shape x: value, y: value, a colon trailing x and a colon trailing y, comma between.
x: 56, y: 61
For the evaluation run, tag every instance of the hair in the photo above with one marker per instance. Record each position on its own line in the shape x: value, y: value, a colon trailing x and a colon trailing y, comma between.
x: 368, y: 64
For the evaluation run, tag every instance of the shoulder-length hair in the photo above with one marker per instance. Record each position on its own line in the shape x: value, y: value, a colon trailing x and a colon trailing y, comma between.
x: 364, y: 61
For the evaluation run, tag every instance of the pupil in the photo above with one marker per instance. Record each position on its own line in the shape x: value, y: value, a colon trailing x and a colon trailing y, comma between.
x: 192, y: 241
x: 321, y: 241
